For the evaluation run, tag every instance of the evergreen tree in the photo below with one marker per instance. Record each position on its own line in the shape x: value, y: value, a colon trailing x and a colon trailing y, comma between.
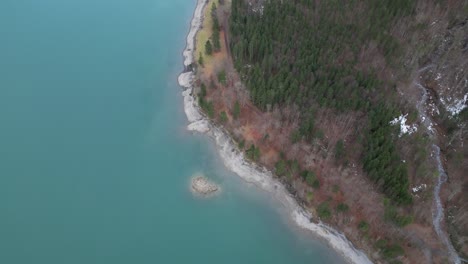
x: 208, y: 47
x: 216, y: 28
x: 200, y: 60
x: 305, y: 53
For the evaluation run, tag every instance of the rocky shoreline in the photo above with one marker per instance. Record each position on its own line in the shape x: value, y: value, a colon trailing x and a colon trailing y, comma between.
x: 250, y: 172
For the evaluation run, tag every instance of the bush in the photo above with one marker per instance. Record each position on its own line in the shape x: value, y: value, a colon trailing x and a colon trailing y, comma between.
x: 363, y: 226
x: 323, y: 211
x: 208, y: 48
x: 392, y: 251
x: 342, y: 207
x: 207, y: 107
x: 389, y: 251
x: 223, y: 117
x: 242, y: 144
x: 200, y: 60
x: 253, y: 153
x: 280, y: 168
x: 222, y: 77
x: 311, y: 179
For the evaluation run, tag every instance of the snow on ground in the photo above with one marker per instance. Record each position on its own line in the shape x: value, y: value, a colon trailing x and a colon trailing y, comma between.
x: 456, y: 106
x: 419, y: 188
x: 404, y: 128
x: 257, y: 8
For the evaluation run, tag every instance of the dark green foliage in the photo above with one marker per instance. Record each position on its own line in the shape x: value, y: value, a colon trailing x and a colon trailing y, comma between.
x: 242, y: 144
x: 200, y: 60
x: 210, y: 109
x: 363, y: 226
x: 216, y: 28
x: 222, y: 77
x: 389, y: 251
x: 309, y: 177
x: 202, y: 90
x: 280, y: 168
x: 223, y: 117
x: 342, y: 207
x: 297, y: 49
x: 305, y: 53
x: 307, y: 128
x: 236, y: 111
x: 463, y: 115
x: 381, y: 243
x: 207, y: 107
x: 253, y: 153
x: 323, y: 211
x: 382, y: 161
x: 392, y: 251
x: 208, y: 47
x: 339, y: 149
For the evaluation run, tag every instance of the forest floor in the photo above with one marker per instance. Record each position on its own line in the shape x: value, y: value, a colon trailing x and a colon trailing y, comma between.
x: 270, y: 131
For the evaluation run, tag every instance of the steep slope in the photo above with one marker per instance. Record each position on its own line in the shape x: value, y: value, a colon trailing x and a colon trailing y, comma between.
x: 360, y: 109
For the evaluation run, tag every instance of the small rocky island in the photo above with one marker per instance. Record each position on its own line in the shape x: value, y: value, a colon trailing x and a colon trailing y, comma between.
x: 201, y: 185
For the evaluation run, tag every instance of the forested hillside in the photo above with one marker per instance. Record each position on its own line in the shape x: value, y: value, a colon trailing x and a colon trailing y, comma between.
x: 307, y: 54
x: 358, y: 107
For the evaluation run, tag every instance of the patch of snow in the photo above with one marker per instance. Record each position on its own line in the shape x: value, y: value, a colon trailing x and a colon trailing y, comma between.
x: 433, y: 109
x: 257, y: 9
x: 404, y: 128
x: 456, y: 106
x: 419, y: 188
x: 430, y: 127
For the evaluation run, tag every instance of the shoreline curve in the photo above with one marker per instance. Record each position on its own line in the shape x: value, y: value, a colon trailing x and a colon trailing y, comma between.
x: 235, y: 161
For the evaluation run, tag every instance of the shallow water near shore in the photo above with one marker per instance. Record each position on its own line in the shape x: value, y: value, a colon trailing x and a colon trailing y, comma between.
x: 95, y: 157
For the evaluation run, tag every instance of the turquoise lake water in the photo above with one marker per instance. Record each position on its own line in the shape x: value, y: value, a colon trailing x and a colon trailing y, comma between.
x: 95, y: 159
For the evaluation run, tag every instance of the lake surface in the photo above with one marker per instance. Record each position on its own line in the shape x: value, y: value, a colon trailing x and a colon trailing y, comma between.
x: 95, y: 159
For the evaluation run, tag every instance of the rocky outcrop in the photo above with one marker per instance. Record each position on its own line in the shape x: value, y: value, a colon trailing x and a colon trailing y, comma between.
x: 201, y: 185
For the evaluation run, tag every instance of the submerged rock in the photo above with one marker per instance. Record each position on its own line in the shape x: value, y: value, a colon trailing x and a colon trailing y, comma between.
x: 201, y: 185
